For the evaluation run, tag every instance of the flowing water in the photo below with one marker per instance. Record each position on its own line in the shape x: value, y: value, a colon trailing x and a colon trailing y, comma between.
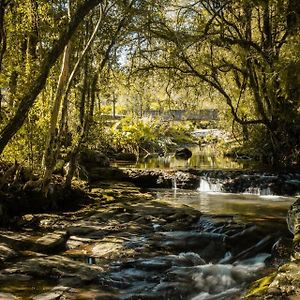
x: 227, y: 277
x: 212, y: 259
x: 268, y: 212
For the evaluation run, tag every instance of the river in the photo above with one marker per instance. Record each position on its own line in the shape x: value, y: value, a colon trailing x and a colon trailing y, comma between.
x: 161, y: 244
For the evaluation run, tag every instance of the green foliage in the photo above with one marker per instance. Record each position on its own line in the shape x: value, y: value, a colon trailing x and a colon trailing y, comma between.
x: 244, y: 61
x: 133, y: 135
x: 141, y: 135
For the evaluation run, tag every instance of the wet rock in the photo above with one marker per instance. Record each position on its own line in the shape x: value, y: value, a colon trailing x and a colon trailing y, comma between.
x: 6, y: 252
x: 51, y: 242
x: 7, y: 296
x: 81, y: 230
x: 162, y: 263
x: 107, y: 173
x: 183, y: 153
x: 91, y: 158
x: 162, y: 179
x: 281, y: 251
x: 16, y: 241
x: 185, y: 180
x: 149, y: 178
x: 107, y: 249
x: 29, y: 221
x: 54, y: 267
x: 293, y: 217
x: 208, y: 245
x: 55, y: 293
x: 90, y: 161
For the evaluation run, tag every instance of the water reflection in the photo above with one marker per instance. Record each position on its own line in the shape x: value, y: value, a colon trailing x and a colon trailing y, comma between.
x: 203, y: 157
x: 246, y: 208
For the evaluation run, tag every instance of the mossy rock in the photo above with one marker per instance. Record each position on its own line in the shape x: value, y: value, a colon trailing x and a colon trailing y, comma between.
x: 259, y: 287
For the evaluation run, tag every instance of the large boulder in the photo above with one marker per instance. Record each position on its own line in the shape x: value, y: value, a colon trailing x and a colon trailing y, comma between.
x: 90, y: 161
x: 92, y: 158
x: 183, y: 153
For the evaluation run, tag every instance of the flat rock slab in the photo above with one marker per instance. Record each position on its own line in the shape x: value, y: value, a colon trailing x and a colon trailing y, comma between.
x: 53, y: 294
x: 55, y: 266
x: 8, y: 296
x: 18, y: 241
x: 51, y: 242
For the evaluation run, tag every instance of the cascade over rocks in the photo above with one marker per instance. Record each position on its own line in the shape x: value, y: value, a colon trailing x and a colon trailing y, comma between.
x: 94, y: 166
x: 254, y: 182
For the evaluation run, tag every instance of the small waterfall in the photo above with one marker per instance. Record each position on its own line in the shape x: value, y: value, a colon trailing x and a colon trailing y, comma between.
x: 207, y: 186
x: 174, y: 183
x: 259, y: 191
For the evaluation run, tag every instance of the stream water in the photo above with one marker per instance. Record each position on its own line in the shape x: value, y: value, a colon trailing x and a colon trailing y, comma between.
x: 202, y: 157
x: 180, y: 244
x: 269, y: 210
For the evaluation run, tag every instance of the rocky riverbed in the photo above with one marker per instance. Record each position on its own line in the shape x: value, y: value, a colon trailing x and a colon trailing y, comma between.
x: 126, y: 244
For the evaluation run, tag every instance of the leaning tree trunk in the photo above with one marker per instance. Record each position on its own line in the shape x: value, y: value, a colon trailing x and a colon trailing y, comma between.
x: 89, y: 116
x: 38, y: 83
x: 49, y: 159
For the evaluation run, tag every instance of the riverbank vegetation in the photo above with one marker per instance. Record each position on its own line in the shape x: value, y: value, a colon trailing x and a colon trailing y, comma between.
x: 63, y: 64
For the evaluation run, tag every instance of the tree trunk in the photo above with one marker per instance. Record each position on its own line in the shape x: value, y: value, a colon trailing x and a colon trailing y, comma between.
x: 3, y: 5
x: 38, y: 83
x: 84, y: 124
x: 50, y: 157
x: 72, y: 76
x: 93, y: 94
x: 293, y: 16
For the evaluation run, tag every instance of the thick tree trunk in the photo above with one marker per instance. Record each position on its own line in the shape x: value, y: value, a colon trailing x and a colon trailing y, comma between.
x: 38, y: 83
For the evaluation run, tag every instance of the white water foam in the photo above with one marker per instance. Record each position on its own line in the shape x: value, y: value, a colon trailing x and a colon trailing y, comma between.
x: 208, y: 187
x: 218, y: 281
x: 224, y: 295
x: 174, y: 183
x: 259, y: 191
